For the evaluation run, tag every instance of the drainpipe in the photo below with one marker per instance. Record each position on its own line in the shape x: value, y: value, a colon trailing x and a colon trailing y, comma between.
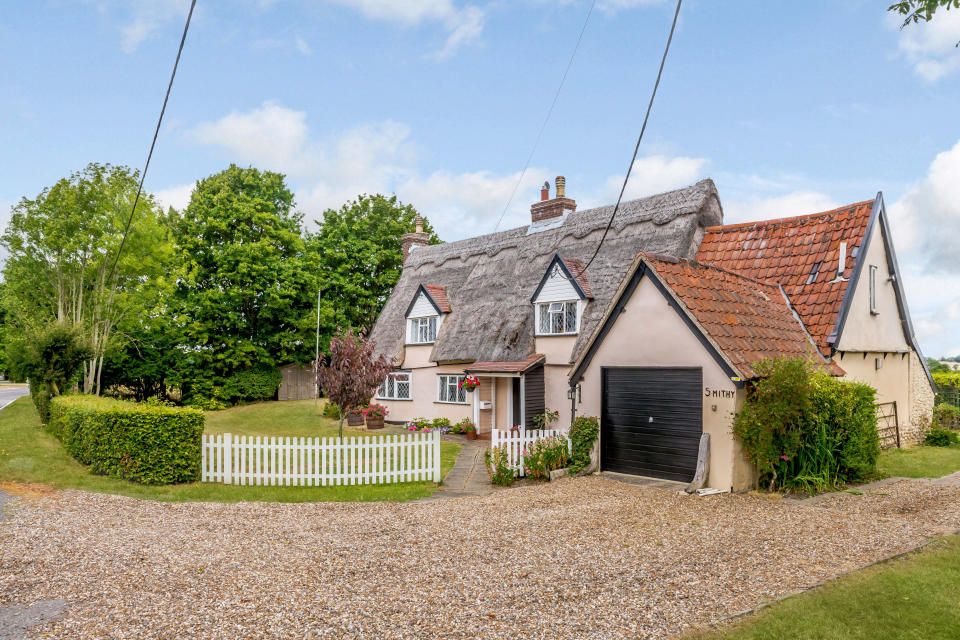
x: 573, y: 402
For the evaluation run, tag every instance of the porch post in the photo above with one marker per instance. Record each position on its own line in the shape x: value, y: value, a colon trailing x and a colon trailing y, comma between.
x: 523, y: 401
x: 493, y: 403
x: 476, y: 407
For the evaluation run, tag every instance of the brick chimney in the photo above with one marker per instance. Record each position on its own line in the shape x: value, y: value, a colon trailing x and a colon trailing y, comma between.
x: 411, y: 241
x: 548, y: 207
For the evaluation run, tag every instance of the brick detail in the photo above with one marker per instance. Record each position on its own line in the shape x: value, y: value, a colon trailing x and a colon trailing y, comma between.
x: 554, y: 208
x: 410, y: 240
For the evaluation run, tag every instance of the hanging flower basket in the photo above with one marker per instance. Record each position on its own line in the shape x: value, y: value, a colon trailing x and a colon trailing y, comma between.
x: 469, y: 383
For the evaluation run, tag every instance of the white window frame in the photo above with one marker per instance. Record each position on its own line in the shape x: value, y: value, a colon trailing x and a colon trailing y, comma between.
x: 557, y: 307
x: 416, y: 327
x: 873, y: 290
x: 393, y: 379
x: 444, y: 383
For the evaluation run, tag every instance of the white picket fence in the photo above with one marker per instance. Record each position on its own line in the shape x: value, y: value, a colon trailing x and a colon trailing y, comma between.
x: 517, y: 441
x: 256, y: 460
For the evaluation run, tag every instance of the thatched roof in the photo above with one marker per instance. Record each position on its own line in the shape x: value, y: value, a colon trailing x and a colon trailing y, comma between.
x: 489, y: 279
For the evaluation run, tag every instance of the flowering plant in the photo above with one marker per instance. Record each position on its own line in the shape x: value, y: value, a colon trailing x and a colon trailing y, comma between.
x: 543, y: 420
x: 374, y: 411
x: 355, y: 411
x: 420, y: 424
x: 469, y: 383
x: 467, y: 425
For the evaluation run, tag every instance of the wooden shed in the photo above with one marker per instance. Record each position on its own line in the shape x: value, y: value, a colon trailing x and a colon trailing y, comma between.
x: 297, y: 383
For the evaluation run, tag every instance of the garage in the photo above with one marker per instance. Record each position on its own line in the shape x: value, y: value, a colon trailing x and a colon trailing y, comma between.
x: 651, y: 421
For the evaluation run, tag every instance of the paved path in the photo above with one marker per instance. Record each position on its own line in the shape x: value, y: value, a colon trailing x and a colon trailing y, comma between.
x: 9, y: 393
x: 468, y: 476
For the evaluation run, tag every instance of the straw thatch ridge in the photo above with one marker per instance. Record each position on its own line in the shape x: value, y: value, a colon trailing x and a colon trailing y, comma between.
x: 489, y: 279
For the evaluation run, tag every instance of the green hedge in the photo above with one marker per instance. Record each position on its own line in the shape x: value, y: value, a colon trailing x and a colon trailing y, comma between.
x: 145, y: 443
x: 805, y: 430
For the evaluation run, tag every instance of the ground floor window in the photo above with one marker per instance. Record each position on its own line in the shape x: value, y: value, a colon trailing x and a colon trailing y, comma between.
x: 448, y: 389
x: 396, y: 386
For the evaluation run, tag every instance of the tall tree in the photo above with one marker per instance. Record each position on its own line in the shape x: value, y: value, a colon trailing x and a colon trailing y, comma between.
x: 243, y: 297
x: 62, y: 245
x: 914, y: 11
x: 358, y: 255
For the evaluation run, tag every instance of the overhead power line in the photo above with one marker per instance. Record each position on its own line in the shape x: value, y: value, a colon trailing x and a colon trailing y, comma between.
x: 156, y: 132
x: 546, y: 119
x: 636, y: 148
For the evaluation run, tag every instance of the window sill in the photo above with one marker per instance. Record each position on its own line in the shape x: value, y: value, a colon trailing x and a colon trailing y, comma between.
x: 460, y: 404
x: 556, y: 335
x: 395, y: 399
x: 418, y: 344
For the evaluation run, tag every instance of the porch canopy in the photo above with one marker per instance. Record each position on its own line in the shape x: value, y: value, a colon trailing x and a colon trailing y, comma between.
x: 522, y: 392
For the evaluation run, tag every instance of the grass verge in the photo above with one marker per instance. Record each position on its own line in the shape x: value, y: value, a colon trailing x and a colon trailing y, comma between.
x: 920, y: 462
x: 911, y: 597
x: 30, y: 455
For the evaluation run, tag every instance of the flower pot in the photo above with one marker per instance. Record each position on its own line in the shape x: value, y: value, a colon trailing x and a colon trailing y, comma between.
x: 374, y: 422
x: 471, y: 435
x: 354, y: 420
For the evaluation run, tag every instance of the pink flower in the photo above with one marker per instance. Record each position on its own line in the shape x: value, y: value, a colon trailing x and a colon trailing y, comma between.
x: 784, y: 458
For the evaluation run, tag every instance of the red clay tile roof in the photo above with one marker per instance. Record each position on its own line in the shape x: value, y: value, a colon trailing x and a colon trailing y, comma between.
x: 506, y: 367
x: 747, y: 319
x: 576, y: 268
x: 785, y: 251
x: 439, y: 295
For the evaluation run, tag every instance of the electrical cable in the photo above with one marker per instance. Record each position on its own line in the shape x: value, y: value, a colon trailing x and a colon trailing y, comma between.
x: 543, y: 126
x: 636, y: 149
x: 156, y: 132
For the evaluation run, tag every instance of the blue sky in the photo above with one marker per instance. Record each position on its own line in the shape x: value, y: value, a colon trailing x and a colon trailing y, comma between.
x: 790, y: 107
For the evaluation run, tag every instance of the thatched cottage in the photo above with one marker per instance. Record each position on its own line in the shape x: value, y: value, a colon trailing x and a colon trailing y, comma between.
x: 657, y: 337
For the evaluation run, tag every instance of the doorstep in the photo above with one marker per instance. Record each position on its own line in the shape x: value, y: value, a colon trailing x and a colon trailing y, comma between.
x: 644, y: 481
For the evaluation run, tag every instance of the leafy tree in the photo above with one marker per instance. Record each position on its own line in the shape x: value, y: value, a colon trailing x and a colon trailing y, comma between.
x: 915, y: 11
x: 350, y: 375
x: 243, y: 297
x: 358, y: 256
x: 3, y: 330
x: 62, y: 245
x: 51, y: 358
x: 936, y: 366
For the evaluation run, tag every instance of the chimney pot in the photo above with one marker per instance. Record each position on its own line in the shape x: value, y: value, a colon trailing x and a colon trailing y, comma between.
x: 418, y: 221
x: 549, y: 208
x: 561, y: 186
x: 545, y: 191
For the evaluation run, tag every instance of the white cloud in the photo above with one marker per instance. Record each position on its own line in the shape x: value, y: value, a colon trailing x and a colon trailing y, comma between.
x: 302, y: 46
x: 297, y: 43
x: 177, y: 196
x: 653, y: 174
x: 926, y: 218
x: 795, y: 203
x: 147, y: 18
x: 931, y: 46
x: 463, y: 25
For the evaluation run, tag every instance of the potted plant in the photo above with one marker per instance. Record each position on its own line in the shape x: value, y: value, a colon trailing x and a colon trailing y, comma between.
x: 355, y: 417
x: 374, y: 415
x: 470, y: 429
x: 469, y: 383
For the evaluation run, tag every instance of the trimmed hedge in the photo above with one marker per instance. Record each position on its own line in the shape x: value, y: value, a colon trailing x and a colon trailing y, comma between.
x: 145, y: 443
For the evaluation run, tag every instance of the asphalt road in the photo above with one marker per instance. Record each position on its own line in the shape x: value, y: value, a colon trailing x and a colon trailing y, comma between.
x: 10, y: 393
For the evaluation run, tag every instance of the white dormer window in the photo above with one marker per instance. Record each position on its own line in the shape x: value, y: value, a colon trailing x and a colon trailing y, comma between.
x: 422, y: 330
x: 558, y: 318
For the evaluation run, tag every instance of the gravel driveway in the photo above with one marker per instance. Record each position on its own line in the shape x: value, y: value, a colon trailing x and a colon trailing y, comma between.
x: 578, y: 558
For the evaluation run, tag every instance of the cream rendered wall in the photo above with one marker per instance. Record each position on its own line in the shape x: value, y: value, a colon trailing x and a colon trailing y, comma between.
x: 650, y: 334
x: 423, y: 377
x: 502, y: 406
x: 864, y: 331
x: 892, y: 380
x: 557, y: 349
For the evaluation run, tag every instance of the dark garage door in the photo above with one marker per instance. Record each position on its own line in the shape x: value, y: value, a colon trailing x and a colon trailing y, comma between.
x: 651, y: 421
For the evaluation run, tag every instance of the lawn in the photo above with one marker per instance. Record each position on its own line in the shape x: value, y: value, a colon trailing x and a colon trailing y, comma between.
x: 30, y: 455
x: 920, y: 462
x: 911, y: 597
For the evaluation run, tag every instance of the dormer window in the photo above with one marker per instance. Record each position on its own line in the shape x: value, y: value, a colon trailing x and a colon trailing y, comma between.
x: 560, y: 298
x: 422, y: 330
x: 425, y: 314
x: 557, y: 318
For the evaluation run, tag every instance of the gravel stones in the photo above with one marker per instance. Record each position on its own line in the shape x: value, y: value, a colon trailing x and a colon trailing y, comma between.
x: 576, y: 558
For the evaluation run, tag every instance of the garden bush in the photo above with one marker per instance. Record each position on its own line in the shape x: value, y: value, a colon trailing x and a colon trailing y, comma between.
x: 331, y: 410
x: 805, y: 430
x: 583, y: 433
x: 945, y: 416
x: 939, y: 437
x: 498, y: 466
x: 145, y: 443
x: 544, y: 456
x: 441, y: 423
